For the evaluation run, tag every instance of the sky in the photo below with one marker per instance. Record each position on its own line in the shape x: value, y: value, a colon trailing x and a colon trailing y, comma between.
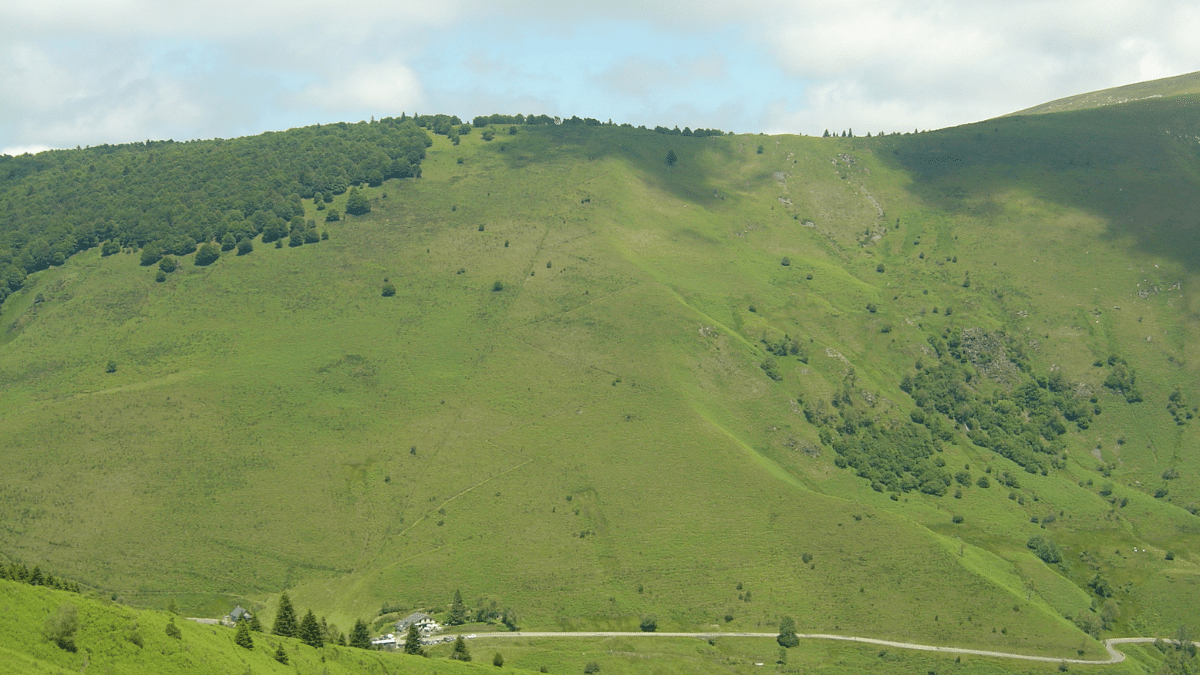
x: 87, y: 72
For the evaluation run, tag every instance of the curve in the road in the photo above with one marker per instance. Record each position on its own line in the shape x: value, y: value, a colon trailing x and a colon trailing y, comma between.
x: 1114, y: 656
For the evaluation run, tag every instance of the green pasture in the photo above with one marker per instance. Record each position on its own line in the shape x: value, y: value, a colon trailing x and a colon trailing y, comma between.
x: 565, y: 409
x: 751, y: 655
x: 114, y: 638
x: 118, y: 639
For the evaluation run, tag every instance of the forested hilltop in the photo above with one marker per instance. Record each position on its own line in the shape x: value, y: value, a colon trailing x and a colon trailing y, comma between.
x: 176, y: 196
x: 179, y: 195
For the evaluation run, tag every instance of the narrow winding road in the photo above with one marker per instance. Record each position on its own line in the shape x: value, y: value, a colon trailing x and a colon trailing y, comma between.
x: 1114, y: 656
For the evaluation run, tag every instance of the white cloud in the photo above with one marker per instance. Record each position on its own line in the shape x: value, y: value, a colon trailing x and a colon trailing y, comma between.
x: 643, y: 76
x: 218, y: 19
x: 22, y: 149
x: 892, y: 65
x: 112, y: 70
x: 387, y: 88
x: 100, y: 93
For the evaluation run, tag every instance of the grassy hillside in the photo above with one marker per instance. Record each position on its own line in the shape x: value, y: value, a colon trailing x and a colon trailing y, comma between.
x: 113, y: 638
x: 1169, y: 86
x: 598, y: 393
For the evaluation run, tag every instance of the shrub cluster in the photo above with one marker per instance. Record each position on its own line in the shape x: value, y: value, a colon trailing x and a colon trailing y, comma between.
x: 892, y: 455
x: 1023, y: 422
x: 1014, y: 413
x: 1045, y: 549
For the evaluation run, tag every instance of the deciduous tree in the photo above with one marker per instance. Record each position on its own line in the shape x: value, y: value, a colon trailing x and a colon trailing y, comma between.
x: 357, y: 204
x: 787, y: 633
x: 151, y: 253
x: 60, y: 627
x: 208, y: 254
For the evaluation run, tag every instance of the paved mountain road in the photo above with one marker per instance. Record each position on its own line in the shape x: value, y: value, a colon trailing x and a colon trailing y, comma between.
x: 1114, y: 656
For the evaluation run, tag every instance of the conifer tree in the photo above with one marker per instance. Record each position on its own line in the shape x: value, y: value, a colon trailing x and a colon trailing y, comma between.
x: 460, y: 652
x: 310, y: 631
x: 280, y: 655
x: 360, y: 637
x: 412, y: 641
x: 255, y: 624
x: 285, y: 618
x: 458, y: 611
x: 242, y: 637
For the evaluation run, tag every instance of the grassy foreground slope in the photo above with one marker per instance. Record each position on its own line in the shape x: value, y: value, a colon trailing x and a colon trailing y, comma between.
x: 113, y: 638
x: 568, y: 408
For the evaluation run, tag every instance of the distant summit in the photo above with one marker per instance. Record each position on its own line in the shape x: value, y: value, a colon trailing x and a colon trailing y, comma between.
x: 1168, y: 86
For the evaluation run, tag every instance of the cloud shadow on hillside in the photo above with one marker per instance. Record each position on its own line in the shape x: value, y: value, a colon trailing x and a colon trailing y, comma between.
x: 690, y: 177
x: 1136, y: 166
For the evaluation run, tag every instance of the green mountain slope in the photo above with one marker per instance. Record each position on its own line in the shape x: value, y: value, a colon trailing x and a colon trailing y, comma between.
x: 599, y: 393
x: 1165, y: 87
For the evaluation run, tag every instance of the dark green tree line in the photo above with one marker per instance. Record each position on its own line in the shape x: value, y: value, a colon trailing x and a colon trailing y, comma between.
x: 179, y: 195
x: 36, y: 577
